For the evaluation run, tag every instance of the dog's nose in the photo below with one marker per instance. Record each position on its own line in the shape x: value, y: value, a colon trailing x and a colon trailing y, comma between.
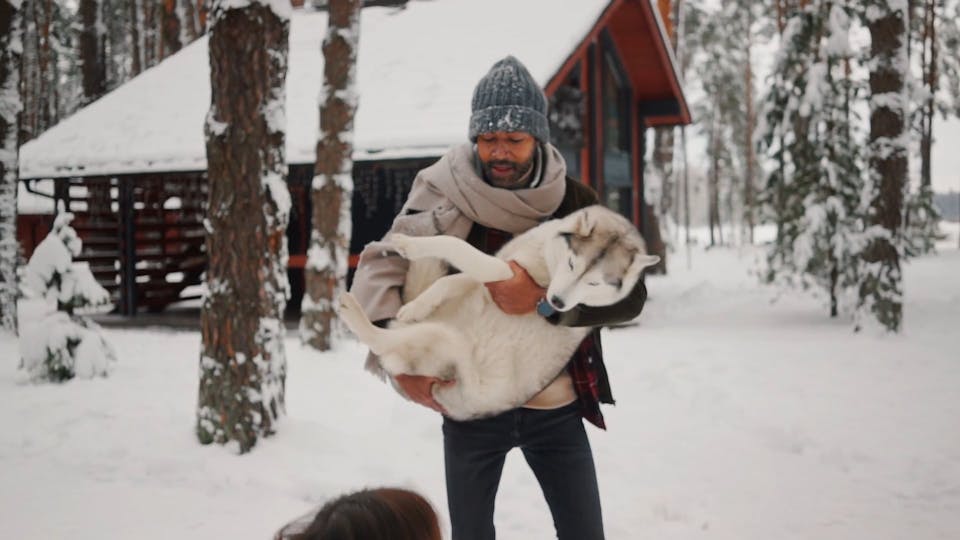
x: 557, y: 302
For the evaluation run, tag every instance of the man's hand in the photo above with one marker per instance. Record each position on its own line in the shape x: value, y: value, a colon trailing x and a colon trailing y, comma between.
x: 419, y: 389
x: 517, y: 295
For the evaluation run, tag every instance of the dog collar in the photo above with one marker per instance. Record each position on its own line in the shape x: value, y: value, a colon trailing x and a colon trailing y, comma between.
x: 544, y: 308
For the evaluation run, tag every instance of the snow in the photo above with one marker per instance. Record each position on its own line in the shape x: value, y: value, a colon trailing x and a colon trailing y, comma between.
x: 281, y: 8
x: 738, y: 418
x: 838, y: 40
x: 279, y: 194
x: 414, y: 99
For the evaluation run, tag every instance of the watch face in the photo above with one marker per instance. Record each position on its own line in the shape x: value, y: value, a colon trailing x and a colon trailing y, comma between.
x: 544, y: 308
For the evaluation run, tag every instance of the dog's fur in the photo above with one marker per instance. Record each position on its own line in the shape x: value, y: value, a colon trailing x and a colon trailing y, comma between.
x: 449, y: 326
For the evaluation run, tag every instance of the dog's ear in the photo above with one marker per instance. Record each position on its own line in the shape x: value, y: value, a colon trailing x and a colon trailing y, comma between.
x: 578, y: 224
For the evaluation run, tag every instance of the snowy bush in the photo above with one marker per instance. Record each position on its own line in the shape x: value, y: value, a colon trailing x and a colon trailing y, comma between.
x: 57, y: 342
x: 59, y: 347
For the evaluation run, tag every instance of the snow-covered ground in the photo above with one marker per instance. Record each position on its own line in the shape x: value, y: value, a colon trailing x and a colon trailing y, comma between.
x: 737, y: 418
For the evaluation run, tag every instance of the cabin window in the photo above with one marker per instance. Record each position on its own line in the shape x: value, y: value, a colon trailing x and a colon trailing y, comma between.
x: 617, y: 174
x: 567, y: 120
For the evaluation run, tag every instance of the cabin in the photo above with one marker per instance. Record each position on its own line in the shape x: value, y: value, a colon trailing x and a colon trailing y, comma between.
x: 132, y: 165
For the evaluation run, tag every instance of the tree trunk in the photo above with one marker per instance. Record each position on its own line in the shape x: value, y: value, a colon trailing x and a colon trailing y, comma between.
x: 749, y: 198
x: 38, y: 71
x: 686, y: 190
x: 930, y: 81
x: 331, y: 192
x: 10, y: 106
x: 148, y: 29
x: 171, y: 28
x: 242, y: 361
x: 201, y: 8
x: 189, y: 21
x: 834, y: 280
x: 880, y: 288
x: 29, y: 72
x: 663, y: 164
x: 136, y: 36
x: 92, y: 52
x: 44, y: 19
x: 713, y: 205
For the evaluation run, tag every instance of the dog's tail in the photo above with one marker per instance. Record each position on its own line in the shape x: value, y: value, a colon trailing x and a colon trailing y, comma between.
x: 356, y: 320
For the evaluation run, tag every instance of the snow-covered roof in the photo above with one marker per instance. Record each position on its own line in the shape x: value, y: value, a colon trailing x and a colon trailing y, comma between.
x: 416, y: 71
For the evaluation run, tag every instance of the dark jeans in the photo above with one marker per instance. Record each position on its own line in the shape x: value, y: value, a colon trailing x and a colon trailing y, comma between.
x: 555, y: 446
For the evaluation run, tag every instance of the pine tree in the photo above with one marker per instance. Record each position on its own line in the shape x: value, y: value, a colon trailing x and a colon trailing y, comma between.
x: 827, y: 247
x: 93, y: 49
x: 242, y: 361
x: 748, y: 148
x: 134, y: 20
x: 820, y: 226
x: 151, y: 19
x: 722, y: 113
x: 934, y: 47
x: 46, y: 75
x: 784, y: 138
x: 881, y: 292
x: 689, y: 17
x: 332, y: 187
x: 172, y: 28
x: 11, y: 48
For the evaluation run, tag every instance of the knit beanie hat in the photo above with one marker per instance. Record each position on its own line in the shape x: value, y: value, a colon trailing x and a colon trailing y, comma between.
x: 508, y: 99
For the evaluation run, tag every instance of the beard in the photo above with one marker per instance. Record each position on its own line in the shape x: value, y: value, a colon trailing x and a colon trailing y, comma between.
x: 515, y: 178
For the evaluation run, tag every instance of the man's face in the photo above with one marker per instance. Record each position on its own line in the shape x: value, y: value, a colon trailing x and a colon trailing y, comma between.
x: 506, y: 156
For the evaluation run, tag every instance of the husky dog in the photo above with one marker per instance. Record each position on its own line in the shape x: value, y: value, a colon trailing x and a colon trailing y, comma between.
x: 449, y: 326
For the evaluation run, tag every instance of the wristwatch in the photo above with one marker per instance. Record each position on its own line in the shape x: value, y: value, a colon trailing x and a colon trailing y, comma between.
x: 544, y: 308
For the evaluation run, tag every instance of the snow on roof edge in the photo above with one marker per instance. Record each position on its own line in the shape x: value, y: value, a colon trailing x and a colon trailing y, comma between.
x: 121, y: 169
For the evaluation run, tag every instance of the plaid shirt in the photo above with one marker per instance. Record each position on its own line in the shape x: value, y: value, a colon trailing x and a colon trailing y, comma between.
x: 586, y: 367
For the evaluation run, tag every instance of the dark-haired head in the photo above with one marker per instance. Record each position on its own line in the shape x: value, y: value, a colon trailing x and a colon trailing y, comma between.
x: 373, y: 514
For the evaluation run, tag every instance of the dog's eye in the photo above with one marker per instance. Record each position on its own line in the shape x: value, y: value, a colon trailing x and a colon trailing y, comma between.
x: 594, y: 283
x: 617, y: 283
x: 570, y: 263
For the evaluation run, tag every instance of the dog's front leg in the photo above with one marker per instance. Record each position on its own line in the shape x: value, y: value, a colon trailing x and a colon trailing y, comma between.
x: 442, y: 290
x: 458, y: 253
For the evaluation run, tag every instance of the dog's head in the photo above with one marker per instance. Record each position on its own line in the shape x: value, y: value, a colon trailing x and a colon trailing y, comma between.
x: 595, y: 259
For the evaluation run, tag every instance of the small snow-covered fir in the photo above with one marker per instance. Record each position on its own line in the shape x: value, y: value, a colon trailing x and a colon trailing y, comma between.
x: 57, y: 343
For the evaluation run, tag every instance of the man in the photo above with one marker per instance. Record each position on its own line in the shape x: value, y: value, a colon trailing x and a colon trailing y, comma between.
x: 509, y: 179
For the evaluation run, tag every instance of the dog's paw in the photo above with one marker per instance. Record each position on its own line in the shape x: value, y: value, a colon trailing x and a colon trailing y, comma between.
x: 414, y: 312
x: 347, y: 305
x: 406, y: 246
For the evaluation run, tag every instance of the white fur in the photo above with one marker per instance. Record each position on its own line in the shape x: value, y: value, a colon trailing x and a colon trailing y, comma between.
x: 454, y: 330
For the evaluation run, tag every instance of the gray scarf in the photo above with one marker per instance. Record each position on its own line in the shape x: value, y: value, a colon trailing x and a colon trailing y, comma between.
x: 448, y: 198
x: 456, y: 195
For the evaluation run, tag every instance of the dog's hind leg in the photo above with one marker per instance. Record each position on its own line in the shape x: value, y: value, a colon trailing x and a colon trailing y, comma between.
x: 356, y: 320
x: 442, y: 290
x: 460, y: 254
x: 421, y: 349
